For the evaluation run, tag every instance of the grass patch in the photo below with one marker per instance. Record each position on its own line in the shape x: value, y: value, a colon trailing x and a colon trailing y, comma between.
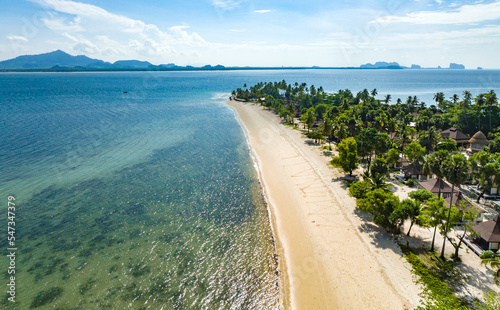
x: 437, y: 294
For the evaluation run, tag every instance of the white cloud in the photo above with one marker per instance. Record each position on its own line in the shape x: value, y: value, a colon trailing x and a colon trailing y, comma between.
x: 227, y: 4
x: 448, y: 38
x: 262, y: 11
x: 95, y: 31
x: 466, y: 14
x: 17, y: 39
x: 59, y: 24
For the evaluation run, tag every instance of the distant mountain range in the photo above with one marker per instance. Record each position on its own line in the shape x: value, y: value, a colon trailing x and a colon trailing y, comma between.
x: 61, y: 61
x: 395, y: 65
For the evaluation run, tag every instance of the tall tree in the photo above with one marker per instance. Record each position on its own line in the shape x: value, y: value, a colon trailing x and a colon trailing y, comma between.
x: 413, y: 207
x: 382, y: 205
x: 366, y: 143
x: 327, y: 127
x: 310, y: 118
x: 348, y: 155
x: 456, y: 169
x: 439, y: 98
x: 414, y: 151
x: 491, y: 100
x: 433, y: 164
x: 433, y: 215
x: 468, y: 218
x: 387, y: 98
x: 429, y: 139
x: 392, y: 157
x: 480, y: 101
x: 486, y: 170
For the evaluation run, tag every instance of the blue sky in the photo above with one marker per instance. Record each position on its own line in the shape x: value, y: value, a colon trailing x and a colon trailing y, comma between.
x: 257, y: 33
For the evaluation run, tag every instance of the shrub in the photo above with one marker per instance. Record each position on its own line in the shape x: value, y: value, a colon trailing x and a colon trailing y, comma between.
x: 487, y: 254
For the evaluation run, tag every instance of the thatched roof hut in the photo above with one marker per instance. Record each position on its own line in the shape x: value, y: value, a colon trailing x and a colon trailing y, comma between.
x: 479, y: 138
x: 478, y: 142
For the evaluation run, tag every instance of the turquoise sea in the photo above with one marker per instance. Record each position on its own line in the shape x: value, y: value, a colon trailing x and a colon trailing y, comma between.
x: 136, y: 190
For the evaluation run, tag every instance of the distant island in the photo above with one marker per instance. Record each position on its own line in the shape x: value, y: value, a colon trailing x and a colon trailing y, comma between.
x: 395, y: 65
x: 381, y: 65
x: 60, y: 61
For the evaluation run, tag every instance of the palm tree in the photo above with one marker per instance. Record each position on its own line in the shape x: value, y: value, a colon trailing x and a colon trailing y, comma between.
x: 456, y: 169
x: 310, y: 118
x: 374, y: 92
x: 491, y: 100
x: 326, y: 128
x: 433, y: 215
x: 345, y: 104
x: 431, y: 137
x: 342, y: 131
x: 433, y: 164
x: 479, y: 104
x: 404, y: 133
x: 387, y: 98
x: 454, y: 99
x: 494, y: 262
x: 439, y: 98
x: 380, y: 121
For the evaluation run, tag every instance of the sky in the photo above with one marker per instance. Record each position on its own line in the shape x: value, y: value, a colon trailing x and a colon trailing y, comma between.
x: 429, y: 33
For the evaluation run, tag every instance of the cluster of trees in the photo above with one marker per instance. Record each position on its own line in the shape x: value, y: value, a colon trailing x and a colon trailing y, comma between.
x: 350, y: 113
x: 375, y: 133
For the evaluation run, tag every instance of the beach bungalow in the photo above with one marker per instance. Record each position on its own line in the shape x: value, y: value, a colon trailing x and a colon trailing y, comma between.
x: 433, y: 186
x: 477, y: 142
x: 463, y: 205
x: 414, y: 171
x: 490, y: 233
x: 460, y: 138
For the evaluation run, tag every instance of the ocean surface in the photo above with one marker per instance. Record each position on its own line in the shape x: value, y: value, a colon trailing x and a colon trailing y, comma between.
x: 136, y: 190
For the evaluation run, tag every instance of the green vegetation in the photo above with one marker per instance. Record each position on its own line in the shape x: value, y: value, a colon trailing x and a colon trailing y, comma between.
x: 491, y: 301
x: 437, y: 294
x: 373, y: 134
x: 46, y: 296
x: 348, y: 156
x: 456, y: 169
x: 414, y: 151
x: 488, y: 258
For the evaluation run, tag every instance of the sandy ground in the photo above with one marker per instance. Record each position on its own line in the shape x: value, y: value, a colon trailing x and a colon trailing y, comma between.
x: 477, y: 278
x: 331, y: 256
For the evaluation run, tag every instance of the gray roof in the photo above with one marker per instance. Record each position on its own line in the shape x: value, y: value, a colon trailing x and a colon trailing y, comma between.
x: 455, y: 134
x: 433, y: 186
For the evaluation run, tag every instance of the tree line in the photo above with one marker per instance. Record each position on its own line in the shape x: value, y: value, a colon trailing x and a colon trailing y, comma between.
x: 377, y: 133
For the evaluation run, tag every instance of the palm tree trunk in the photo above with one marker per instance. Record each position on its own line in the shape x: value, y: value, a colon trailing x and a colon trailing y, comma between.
x: 433, y: 238
x: 447, y: 221
x: 490, y: 116
x: 411, y: 225
x: 460, y: 242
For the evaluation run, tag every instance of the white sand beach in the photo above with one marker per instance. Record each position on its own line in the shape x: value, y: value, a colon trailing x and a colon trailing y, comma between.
x: 330, y: 257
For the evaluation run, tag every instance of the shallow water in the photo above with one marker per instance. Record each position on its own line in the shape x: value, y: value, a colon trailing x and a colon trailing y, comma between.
x: 145, y: 201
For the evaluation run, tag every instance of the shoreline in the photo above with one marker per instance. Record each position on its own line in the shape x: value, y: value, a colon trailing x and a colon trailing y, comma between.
x: 327, y: 259
x: 283, y: 278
